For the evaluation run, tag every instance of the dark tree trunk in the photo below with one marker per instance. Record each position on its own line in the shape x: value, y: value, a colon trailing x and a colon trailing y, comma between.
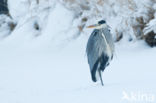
x: 4, y: 7
x: 150, y: 38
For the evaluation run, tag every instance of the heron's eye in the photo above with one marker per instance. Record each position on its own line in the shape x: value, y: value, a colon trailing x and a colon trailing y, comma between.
x: 102, y: 22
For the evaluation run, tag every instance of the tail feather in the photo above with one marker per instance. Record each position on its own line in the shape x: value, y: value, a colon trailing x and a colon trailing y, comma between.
x: 94, y: 70
x: 103, y: 62
x: 99, y: 66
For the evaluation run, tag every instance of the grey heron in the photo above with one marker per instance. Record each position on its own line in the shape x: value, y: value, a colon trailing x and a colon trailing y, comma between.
x: 100, y: 50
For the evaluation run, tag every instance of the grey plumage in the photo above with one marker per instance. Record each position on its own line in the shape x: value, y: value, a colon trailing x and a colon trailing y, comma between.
x: 100, y: 49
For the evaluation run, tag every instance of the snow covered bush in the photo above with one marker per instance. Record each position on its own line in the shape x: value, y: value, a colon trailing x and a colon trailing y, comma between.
x: 150, y: 29
x: 129, y: 20
x: 6, y: 26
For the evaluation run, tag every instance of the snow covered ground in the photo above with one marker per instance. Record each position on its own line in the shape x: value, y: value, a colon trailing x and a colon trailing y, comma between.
x: 52, y: 74
x: 48, y: 67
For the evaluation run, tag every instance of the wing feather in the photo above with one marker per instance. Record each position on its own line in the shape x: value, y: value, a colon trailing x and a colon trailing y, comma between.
x: 95, y: 47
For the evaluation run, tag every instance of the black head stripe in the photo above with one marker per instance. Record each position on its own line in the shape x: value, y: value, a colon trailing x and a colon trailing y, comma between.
x: 102, y: 22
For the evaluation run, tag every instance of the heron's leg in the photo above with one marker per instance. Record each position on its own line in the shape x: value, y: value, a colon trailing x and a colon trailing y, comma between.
x: 100, y: 77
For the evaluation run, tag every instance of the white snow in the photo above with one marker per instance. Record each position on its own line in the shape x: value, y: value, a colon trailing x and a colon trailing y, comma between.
x: 42, y: 74
x: 46, y: 66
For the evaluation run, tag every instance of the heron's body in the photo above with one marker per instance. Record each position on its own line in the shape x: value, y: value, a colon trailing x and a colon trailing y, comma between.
x: 100, y: 49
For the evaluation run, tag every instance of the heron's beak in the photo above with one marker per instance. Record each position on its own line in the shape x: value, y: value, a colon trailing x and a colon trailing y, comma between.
x: 92, y: 26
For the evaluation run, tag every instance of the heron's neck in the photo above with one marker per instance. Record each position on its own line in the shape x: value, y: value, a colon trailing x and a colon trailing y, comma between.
x: 104, y: 26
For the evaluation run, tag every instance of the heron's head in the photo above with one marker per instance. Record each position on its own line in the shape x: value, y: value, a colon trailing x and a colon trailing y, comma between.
x: 101, y: 24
